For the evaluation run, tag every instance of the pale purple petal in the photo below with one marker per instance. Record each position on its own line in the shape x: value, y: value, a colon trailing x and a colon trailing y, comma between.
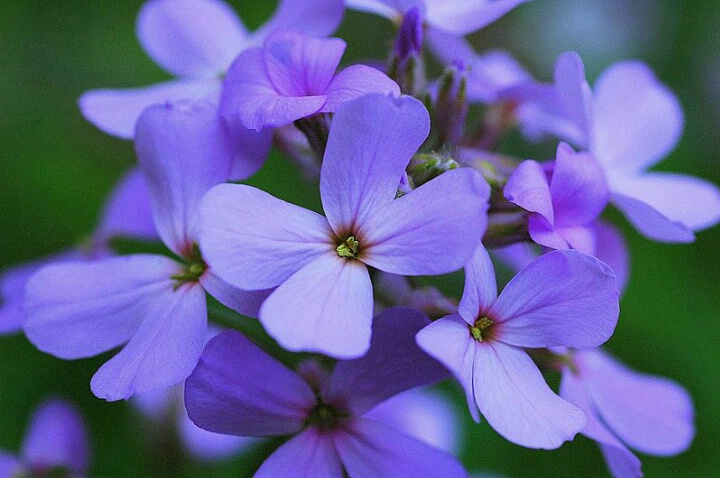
x: 183, y: 150
x: 651, y: 414
x: 156, y: 404
x: 480, y: 289
x: 318, y: 18
x: 324, y: 307
x: 12, y: 290
x: 229, y: 391
x: 393, y: 364
x: 207, y: 445
x: 56, y: 437
x: 9, y: 465
x: 637, y: 120
x: 164, y: 349
x: 355, y: 81
x: 116, y: 111
x: 578, y: 187
x: 423, y: 414
x: 79, y: 309
x: 250, y: 147
x: 370, y: 448
x: 255, y: 241
x: 562, y: 298
x: 621, y: 461
x: 311, y: 454
x: 613, y: 251
x: 528, y: 187
x: 580, y: 238
x: 390, y: 9
x: 432, y: 230
x: 297, y: 65
x: 544, y: 233
x: 516, y: 256
x: 127, y: 212
x: 249, y: 94
x: 651, y: 223
x: 513, y: 397
x: 574, y: 96
x: 193, y: 38
x: 448, y: 340
x: 449, y: 48
x: 685, y: 199
x: 466, y: 16
x: 246, y: 302
x: 377, y: 135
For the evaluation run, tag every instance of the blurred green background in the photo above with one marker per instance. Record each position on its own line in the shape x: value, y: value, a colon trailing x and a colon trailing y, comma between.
x: 56, y: 169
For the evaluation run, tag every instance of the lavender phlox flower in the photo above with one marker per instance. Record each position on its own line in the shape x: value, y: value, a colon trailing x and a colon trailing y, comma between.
x: 457, y: 17
x: 292, y: 76
x: 56, y: 441
x: 630, y: 122
x: 153, y: 303
x: 563, y: 198
x: 625, y: 409
x: 563, y: 297
x: 126, y: 214
x: 324, y: 300
x: 196, y: 41
x: 333, y: 424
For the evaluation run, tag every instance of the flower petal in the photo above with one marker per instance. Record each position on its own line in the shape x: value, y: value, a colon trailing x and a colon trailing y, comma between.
x: 193, y: 38
x: 562, y: 298
x: 246, y: 302
x: 651, y: 414
x: 57, y: 437
x: 127, y: 212
x: 78, y: 309
x: 432, y: 230
x: 650, y: 222
x: 164, y: 349
x: 355, y: 81
x: 578, y: 188
x: 254, y: 241
x: 370, y: 144
x: 637, y: 120
x: 423, y: 414
x: 480, y: 289
x: 466, y: 16
x: 116, y: 111
x: 318, y: 18
x: 513, y: 397
x: 229, y: 391
x: 10, y: 465
x: 324, y: 307
x: 250, y: 147
x: 249, y: 94
x: 528, y: 187
x: 448, y: 341
x: 311, y: 454
x: 370, y: 448
x: 184, y: 150
x: 574, y: 97
x: 693, y: 202
x: 613, y: 251
x: 393, y: 364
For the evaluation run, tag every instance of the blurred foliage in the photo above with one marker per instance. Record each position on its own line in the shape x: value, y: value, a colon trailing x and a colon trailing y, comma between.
x: 56, y: 169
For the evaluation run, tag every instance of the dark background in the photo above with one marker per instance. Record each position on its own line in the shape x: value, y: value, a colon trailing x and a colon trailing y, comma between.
x: 56, y: 169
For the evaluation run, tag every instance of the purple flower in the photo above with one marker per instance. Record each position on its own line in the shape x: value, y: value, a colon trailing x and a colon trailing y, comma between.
x: 564, y: 199
x: 55, y: 441
x: 563, y: 297
x: 629, y: 123
x: 126, y: 213
x: 650, y: 414
x: 196, y: 41
x: 293, y: 76
x: 331, y: 420
x: 324, y: 300
x: 458, y: 17
x: 153, y: 303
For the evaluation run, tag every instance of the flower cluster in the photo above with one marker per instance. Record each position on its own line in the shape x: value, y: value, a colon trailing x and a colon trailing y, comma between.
x: 409, y: 186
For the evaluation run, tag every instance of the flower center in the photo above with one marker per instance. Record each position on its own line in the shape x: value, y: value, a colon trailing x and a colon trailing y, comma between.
x: 348, y: 248
x: 194, y: 269
x: 326, y: 417
x: 479, y: 327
